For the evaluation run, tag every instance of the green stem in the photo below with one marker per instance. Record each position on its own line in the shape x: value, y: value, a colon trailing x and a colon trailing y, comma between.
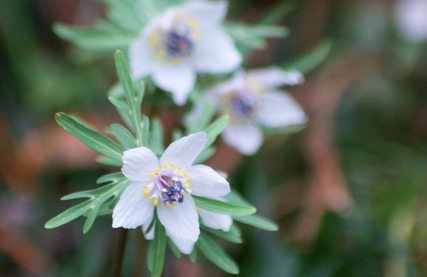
x: 120, y: 252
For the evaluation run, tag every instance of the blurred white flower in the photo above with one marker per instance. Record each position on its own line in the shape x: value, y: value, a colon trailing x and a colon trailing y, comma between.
x: 167, y: 181
x: 252, y: 100
x: 181, y: 41
x: 411, y: 19
x: 213, y: 220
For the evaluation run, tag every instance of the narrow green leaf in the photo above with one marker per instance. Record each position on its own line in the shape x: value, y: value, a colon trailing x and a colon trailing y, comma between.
x: 235, y: 197
x: 108, y: 161
x: 91, y: 138
x: 174, y: 248
x: 159, y: 250
x: 150, y: 255
x: 215, y: 129
x: 68, y: 215
x: 124, y: 136
x: 216, y: 254
x: 221, y: 207
x: 123, y: 110
x: 258, y: 222
x: 230, y: 236
x: 111, y: 177
x: 132, y: 98
x: 145, y: 131
x: 193, y: 255
x: 157, y: 126
x: 205, y: 154
x: 312, y: 59
x: 91, y: 217
x: 91, y: 38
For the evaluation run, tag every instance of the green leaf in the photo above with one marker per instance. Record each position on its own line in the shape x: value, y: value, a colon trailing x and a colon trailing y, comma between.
x: 258, y: 222
x: 221, y: 207
x: 215, y: 129
x: 91, y: 38
x: 234, y: 197
x: 145, y: 131
x: 68, y: 215
x: 124, y: 136
x: 193, y: 255
x: 97, y: 199
x: 230, y: 236
x: 111, y: 177
x: 290, y: 129
x: 312, y: 59
x: 174, y: 248
x: 123, y: 110
x: 108, y: 161
x: 205, y: 154
x: 216, y: 254
x: 131, y: 96
x: 159, y: 245
x: 150, y: 256
x: 91, y: 138
x: 158, y: 132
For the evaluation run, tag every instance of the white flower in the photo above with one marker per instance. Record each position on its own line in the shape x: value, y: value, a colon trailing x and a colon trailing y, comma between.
x: 253, y: 100
x: 213, y: 220
x: 167, y: 181
x: 181, y: 41
x: 411, y: 19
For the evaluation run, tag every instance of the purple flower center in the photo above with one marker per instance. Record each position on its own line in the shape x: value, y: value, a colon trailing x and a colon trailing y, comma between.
x: 179, y: 43
x: 171, y: 189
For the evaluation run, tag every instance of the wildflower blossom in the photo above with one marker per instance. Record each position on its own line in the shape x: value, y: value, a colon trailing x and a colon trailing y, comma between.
x: 167, y: 184
x: 181, y: 41
x: 252, y: 100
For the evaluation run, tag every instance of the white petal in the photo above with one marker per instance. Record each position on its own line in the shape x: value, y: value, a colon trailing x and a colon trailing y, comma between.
x: 235, y: 83
x: 184, y: 151
x: 206, y: 13
x: 138, y: 163
x: 411, y: 19
x: 185, y: 246
x: 216, y: 221
x: 207, y: 182
x: 133, y: 208
x: 275, y: 77
x: 178, y: 79
x: 246, y: 138
x: 141, y: 57
x: 182, y: 220
x: 280, y: 109
x: 149, y: 235
x: 215, y: 52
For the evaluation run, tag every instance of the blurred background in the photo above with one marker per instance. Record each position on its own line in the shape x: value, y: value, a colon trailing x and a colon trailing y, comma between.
x: 349, y: 191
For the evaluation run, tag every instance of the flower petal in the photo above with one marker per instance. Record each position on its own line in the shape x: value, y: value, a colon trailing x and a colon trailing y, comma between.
x: 246, y: 138
x: 215, y: 52
x: 141, y: 57
x: 133, y: 208
x: 275, y: 77
x: 138, y: 163
x: 237, y: 82
x: 178, y: 79
x: 216, y: 221
x: 280, y: 109
x: 182, y: 220
x: 184, y: 151
x: 185, y: 246
x: 206, y: 13
x: 207, y: 182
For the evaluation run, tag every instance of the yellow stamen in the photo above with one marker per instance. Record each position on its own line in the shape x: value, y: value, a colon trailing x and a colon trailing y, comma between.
x: 188, y: 179
x: 152, y: 174
x: 145, y: 186
x: 163, y: 164
x: 150, y: 198
x: 155, y: 203
x: 160, y: 55
x: 179, y: 168
x: 170, y: 164
x: 145, y: 192
x: 167, y: 206
x: 157, y: 170
x: 175, y: 61
x: 188, y: 186
x: 184, y: 174
x: 183, y: 192
x: 173, y: 203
